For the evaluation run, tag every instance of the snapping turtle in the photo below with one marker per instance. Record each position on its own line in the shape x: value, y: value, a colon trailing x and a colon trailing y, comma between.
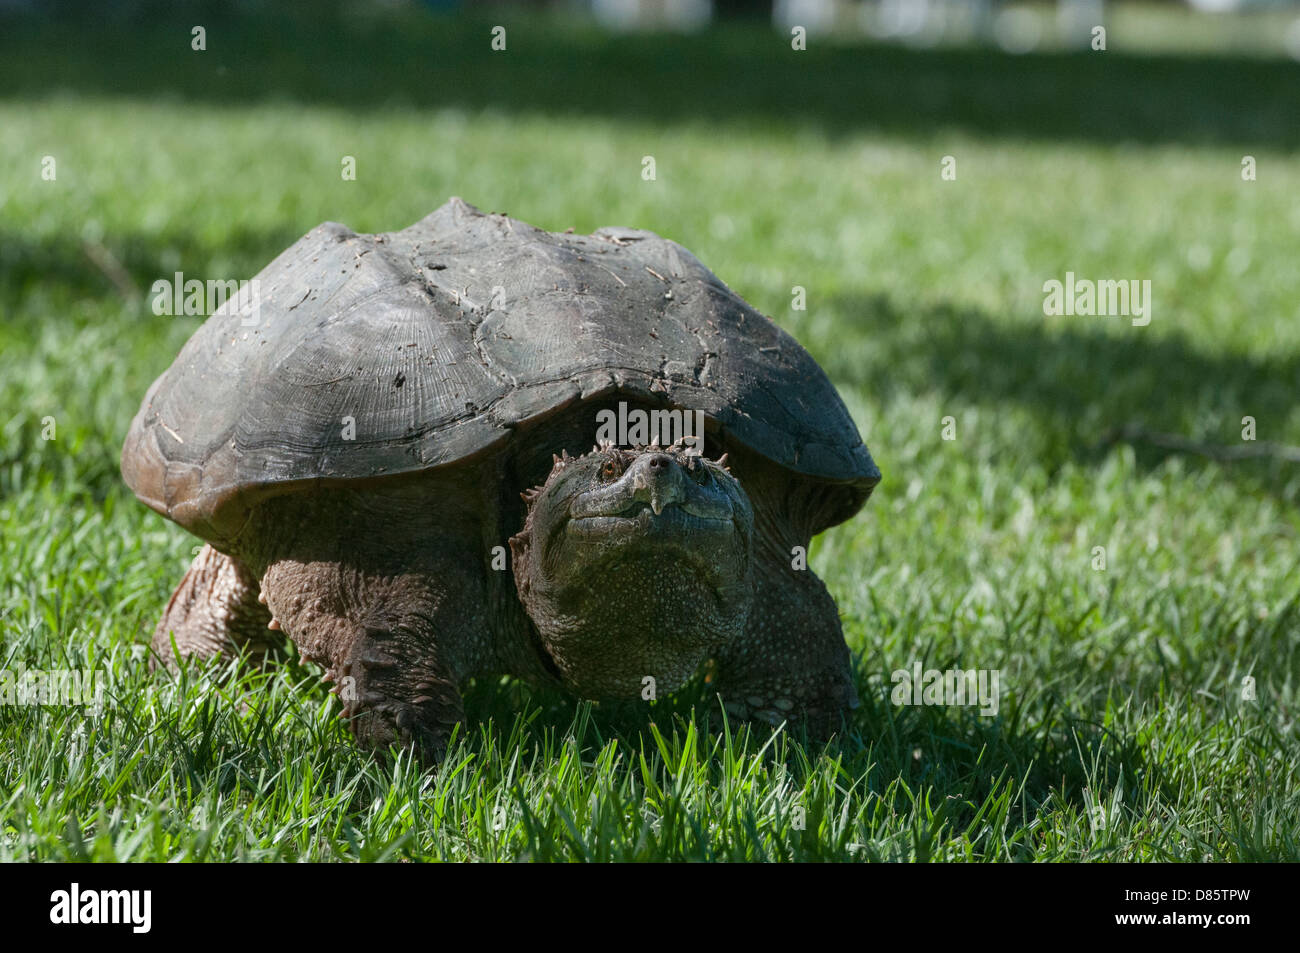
x: 360, y: 448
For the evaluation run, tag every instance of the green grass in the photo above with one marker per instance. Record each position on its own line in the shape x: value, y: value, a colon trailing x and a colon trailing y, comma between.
x: 1122, y: 732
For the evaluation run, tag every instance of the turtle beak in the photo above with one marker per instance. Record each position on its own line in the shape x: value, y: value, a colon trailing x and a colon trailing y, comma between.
x: 657, y: 479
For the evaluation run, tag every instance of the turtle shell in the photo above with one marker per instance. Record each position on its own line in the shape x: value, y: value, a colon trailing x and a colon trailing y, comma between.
x: 432, y: 345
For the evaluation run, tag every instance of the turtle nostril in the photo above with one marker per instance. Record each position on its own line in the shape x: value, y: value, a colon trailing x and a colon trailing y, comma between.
x: 660, y: 461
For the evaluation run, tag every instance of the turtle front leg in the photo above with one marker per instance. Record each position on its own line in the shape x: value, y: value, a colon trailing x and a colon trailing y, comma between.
x: 392, y: 644
x: 791, y: 663
x: 395, y: 691
x: 214, y: 611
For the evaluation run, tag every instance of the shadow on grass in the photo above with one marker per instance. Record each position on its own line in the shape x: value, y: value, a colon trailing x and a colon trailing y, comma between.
x: 1045, y: 754
x: 953, y: 774
x: 1079, y: 378
x: 321, y: 54
x: 80, y: 269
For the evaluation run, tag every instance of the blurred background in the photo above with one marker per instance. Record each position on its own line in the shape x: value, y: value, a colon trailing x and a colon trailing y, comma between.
x: 1013, y: 25
x: 893, y: 181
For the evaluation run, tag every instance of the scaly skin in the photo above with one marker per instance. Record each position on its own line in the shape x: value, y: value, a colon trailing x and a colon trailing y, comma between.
x: 634, y: 566
x: 630, y: 565
x: 214, y: 611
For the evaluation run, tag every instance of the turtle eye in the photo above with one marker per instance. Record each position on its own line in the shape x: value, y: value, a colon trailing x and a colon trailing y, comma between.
x: 611, y: 469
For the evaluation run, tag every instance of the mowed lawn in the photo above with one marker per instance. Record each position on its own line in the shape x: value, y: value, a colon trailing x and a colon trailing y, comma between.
x: 1127, y: 728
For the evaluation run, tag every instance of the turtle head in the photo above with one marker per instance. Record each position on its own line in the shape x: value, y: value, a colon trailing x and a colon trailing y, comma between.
x: 634, y: 565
